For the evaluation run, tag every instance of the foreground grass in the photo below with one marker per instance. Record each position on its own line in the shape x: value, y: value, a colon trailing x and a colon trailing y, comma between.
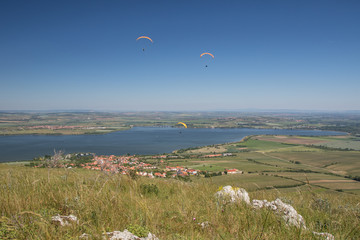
x: 29, y: 197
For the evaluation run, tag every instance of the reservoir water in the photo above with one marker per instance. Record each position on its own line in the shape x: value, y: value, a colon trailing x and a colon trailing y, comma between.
x: 138, y: 140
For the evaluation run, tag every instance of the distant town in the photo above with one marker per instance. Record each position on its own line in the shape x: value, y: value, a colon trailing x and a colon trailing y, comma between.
x: 128, y: 164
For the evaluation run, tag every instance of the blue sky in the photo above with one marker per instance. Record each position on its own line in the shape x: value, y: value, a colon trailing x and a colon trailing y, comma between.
x: 302, y: 55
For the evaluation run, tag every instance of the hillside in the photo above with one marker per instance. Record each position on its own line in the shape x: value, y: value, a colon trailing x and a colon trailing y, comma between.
x: 175, y: 209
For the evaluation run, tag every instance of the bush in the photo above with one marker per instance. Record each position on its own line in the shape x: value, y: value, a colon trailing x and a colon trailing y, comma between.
x: 132, y: 174
x: 148, y: 189
x: 138, y: 230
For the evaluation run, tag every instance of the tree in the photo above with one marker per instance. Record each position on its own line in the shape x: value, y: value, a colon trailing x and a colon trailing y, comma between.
x: 54, y: 161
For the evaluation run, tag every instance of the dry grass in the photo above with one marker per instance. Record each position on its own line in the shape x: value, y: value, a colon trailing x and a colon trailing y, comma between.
x: 102, y: 202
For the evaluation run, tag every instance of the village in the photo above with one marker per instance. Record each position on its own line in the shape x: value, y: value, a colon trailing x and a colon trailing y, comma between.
x: 144, y: 166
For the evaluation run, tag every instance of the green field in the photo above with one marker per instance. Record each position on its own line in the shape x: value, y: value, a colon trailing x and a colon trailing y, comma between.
x: 343, y: 143
x: 340, y: 162
x: 276, y: 162
x: 253, y: 182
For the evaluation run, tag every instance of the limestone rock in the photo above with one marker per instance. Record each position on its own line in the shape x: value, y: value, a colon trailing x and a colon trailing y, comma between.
x: 64, y: 220
x: 287, y: 212
x: 204, y: 224
x: 263, y: 203
x: 326, y: 236
x: 228, y: 194
x: 126, y: 235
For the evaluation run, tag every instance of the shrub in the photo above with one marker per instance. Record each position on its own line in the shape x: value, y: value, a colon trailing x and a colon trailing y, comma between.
x: 148, y: 189
x: 138, y: 230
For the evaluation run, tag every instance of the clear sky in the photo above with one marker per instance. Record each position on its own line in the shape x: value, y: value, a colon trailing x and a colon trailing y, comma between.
x: 289, y: 54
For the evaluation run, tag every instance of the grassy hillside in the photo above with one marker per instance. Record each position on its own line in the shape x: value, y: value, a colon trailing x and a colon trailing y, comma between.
x: 171, y: 209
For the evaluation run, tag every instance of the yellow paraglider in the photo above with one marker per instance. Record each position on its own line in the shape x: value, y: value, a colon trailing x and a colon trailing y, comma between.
x: 206, y: 53
x: 182, y: 124
x: 145, y: 44
x: 145, y: 37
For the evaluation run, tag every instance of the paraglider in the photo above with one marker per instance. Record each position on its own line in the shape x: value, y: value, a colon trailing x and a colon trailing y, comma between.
x: 207, y: 53
x: 144, y: 37
x: 181, y: 123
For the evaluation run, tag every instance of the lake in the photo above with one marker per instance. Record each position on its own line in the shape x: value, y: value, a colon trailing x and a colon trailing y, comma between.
x: 138, y: 140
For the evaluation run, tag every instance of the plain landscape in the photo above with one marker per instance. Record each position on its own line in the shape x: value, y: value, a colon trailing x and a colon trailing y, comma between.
x: 179, y: 120
x: 172, y: 194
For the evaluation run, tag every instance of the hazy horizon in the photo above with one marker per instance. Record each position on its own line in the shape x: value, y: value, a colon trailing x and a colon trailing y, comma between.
x: 278, y: 55
x: 183, y: 111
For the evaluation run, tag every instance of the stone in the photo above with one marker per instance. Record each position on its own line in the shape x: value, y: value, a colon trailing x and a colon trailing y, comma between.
x: 228, y: 194
x: 64, y: 220
x: 204, y: 224
x: 263, y: 203
x: 326, y: 236
x: 126, y: 235
x: 287, y: 212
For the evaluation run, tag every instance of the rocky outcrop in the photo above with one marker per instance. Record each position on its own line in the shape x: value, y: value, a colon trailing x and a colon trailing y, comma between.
x: 124, y: 235
x: 204, y: 225
x: 228, y: 194
x: 286, y: 211
x: 326, y: 236
x: 64, y: 220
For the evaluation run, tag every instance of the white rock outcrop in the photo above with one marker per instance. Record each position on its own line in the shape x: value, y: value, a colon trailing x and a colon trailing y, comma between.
x: 118, y: 235
x: 263, y: 203
x: 326, y: 236
x: 228, y: 194
x: 286, y: 211
x: 64, y: 220
x: 289, y: 214
x: 204, y: 224
x: 126, y: 235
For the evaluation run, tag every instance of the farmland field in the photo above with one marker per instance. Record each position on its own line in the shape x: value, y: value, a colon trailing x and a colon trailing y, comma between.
x: 340, y: 162
x: 280, y: 161
x: 253, y: 182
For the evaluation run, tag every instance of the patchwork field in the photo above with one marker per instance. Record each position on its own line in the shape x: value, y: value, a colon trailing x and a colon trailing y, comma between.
x: 340, y: 142
x: 290, y: 139
x: 340, y: 162
x: 253, y: 182
x: 280, y: 161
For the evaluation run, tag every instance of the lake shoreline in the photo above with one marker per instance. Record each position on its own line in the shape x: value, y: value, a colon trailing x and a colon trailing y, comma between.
x: 129, y: 128
x: 137, y: 141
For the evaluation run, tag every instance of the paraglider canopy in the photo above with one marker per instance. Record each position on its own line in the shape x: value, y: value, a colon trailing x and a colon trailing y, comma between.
x: 207, y: 53
x: 208, y: 59
x: 145, y: 37
x: 145, y: 44
x: 181, y: 123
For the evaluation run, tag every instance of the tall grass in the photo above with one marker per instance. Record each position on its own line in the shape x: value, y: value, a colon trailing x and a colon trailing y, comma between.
x: 171, y: 209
